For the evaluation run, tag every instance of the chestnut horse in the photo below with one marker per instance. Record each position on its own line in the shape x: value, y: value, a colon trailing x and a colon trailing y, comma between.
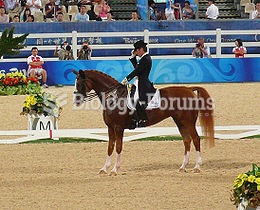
x: 183, y: 111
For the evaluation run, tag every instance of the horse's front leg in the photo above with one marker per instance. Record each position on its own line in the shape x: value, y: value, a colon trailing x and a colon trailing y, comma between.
x: 111, y: 145
x: 119, y: 133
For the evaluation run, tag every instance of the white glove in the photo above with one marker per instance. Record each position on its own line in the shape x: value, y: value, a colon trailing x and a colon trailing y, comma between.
x: 132, y: 54
x: 124, y: 81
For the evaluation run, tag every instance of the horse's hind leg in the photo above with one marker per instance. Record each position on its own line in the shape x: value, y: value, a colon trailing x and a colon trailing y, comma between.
x: 196, y: 141
x: 119, y: 132
x: 186, y: 140
x: 111, y: 145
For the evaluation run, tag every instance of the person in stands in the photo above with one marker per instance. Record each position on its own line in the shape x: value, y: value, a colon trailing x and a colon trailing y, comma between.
x: 239, y: 50
x: 35, y: 69
x: 212, y: 11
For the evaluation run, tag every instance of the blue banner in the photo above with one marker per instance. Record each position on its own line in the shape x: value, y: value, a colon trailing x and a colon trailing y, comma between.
x: 163, y: 71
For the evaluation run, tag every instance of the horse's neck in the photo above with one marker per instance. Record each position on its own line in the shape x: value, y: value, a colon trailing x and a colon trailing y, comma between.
x: 102, y: 83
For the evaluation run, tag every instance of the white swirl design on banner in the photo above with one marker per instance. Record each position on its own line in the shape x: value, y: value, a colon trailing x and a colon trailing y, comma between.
x: 177, y: 71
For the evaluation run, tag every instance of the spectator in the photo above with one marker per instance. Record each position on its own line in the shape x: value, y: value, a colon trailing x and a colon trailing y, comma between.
x: 35, y: 69
x: 169, y: 10
x: 134, y: 16
x: 239, y: 50
x: 65, y: 52
x: 154, y: 14
x: 212, y: 11
x: 4, y: 18
x: 59, y: 17
x: 16, y: 19
x: 30, y: 18
x: 34, y: 5
x: 84, y: 2
x: 82, y: 16
x: 13, y: 6
x: 110, y: 17
x: 51, y: 10
x: 187, y: 11
x: 102, y: 9
x: 2, y: 3
x: 256, y: 13
x: 85, y: 52
x: 25, y: 15
x: 92, y: 15
x: 200, y: 50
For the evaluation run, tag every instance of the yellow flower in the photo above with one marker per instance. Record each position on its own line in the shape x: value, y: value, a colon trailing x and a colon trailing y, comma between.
x: 240, y: 180
x: 257, y: 181
x: 251, y: 179
x: 31, y: 100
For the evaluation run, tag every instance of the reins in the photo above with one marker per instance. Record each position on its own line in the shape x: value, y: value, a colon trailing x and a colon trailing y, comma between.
x: 90, y: 96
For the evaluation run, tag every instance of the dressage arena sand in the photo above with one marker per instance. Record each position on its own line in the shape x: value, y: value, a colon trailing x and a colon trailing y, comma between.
x: 64, y: 176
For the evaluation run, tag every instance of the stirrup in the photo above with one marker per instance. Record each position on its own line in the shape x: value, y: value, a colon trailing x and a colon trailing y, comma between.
x: 142, y: 123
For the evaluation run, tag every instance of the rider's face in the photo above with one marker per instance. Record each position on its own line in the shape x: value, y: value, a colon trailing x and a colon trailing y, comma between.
x: 139, y: 52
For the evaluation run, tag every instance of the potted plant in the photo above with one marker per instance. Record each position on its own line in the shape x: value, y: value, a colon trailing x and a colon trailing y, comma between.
x: 16, y: 83
x: 246, y: 190
x: 40, y: 107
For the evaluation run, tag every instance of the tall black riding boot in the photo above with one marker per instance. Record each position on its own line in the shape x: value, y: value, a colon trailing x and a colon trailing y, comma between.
x: 140, y: 108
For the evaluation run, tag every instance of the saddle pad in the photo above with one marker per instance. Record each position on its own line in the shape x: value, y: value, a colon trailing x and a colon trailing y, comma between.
x: 153, y: 104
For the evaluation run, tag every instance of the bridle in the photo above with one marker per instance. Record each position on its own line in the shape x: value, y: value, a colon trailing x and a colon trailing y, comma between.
x: 90, y: 96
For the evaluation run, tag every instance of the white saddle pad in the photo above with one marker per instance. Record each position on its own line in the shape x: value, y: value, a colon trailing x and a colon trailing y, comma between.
x: 153, y: 104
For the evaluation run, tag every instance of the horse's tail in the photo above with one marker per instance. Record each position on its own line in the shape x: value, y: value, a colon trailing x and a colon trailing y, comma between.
x: 206, y: 107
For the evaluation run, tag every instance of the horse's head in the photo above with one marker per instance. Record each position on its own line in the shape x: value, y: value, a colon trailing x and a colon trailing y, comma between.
x: 82, y: 87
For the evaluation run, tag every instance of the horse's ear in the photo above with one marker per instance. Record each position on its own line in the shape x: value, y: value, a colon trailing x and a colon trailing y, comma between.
x: 82, y: 74
x: 75, y: 72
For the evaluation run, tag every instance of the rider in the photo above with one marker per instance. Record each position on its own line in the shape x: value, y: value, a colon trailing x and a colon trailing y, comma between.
x: 142, y: 71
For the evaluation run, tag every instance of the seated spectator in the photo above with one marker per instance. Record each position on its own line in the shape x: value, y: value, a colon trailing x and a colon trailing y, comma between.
x: 24, y: 16
x: 35, y: 69
x: 2, y: 3
x: 16, y: 19
x: 169, y: 10
x: 13, y: 6
x: 201, y: 50
x: 65, y: 52
x: 84, y: 2
x: 177, y: 11
x: 187, y: 11
x: 134, y: 16
x: 4, y: 18
x: 85, y: 51
x: 239, y: 50
x: 212, y: 11
x: 59, y: 17
x: 30, y: 18
x: 154, y: 13
x: 82, y: 16
x: 51, y: 10
x: 102, y: 9
x: 92, y: 15
x: 256, y: 13
x: 34, y: 6
x: 110, y: 17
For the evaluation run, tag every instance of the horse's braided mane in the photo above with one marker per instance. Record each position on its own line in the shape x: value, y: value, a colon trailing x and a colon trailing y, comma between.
x: 105, y: 75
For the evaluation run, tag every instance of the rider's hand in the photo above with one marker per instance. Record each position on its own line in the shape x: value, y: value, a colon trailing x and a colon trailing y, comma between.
x: 132, y: 54
x: 124, y: 81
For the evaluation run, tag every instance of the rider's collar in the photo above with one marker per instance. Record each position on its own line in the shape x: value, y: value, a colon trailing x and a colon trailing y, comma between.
x: 144, y: 54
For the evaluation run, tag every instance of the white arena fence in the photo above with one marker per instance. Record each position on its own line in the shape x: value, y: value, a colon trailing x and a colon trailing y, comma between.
x: 146, y: 35
x: 221, y: 132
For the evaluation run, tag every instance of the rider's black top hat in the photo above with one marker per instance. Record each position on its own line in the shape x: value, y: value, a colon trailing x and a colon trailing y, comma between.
x: 139, y: 44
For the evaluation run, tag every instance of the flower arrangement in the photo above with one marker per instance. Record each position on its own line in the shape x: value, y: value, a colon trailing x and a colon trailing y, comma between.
x: 41, y: 103
x: 16, y: 83
x: 247, y: 188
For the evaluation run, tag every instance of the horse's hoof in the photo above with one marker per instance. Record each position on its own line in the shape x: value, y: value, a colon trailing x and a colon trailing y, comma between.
x: 196, y: 170
x: 182, y: 170
x: 102, y: 172
x: 113, y: 173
